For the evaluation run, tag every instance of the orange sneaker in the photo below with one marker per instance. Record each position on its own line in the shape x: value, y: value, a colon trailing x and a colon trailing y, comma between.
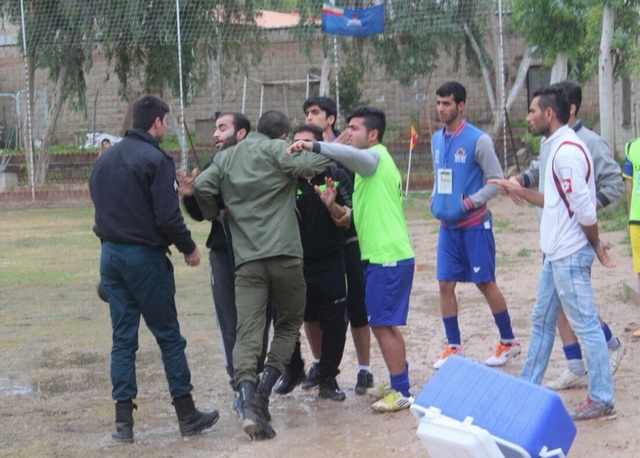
x: 637, y: 333
x: 504, y: 353
x: 448, y: 351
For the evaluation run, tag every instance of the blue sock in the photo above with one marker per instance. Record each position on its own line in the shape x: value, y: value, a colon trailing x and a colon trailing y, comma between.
x: 452, y: 330
x: 572, y: 351
x: 607, y: 332
x: 503, y: 321
x: 400, y: 382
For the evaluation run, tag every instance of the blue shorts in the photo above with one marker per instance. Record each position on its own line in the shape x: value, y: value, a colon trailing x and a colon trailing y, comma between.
x: 466, y: 255
x: 387, y: 291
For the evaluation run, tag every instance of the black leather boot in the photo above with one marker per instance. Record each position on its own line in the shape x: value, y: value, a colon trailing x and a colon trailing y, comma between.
x: 255, y: 410
x: 124, y: 422
x: 293, y: 374
x: 190, y: 419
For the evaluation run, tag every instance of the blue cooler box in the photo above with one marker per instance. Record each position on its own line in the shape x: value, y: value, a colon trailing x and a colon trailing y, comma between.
x: 512, y: 409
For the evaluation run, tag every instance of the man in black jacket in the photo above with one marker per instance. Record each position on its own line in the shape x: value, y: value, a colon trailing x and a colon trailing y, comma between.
x: 137, y: 217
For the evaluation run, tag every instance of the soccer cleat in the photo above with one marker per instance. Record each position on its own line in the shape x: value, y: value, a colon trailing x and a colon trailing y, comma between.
x: 592, y: 410
x: 448, y: 351
x: 329, y: 389
x: 364, y: 381
x: 382, y: 389
x: 392, y: 402
x: 615, y: 356
x: 569, y: 380
x: 504, y: 353
x: 312, y: 378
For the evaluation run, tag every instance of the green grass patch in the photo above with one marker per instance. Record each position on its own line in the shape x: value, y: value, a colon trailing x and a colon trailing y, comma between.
x: 613, y: 217
x: 523, y: 253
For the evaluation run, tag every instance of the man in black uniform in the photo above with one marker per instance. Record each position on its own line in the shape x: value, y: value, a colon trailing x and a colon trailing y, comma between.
x: 324, y: 265
x: 137, y: 217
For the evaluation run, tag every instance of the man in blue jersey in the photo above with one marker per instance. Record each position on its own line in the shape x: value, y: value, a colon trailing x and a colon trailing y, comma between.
x: 463, y: 160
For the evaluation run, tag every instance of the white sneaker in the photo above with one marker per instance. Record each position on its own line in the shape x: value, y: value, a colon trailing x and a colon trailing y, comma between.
x: 392, y: 402
x: 569, y: 380
x: 448, y: 351
x: 504, y: 353
x: 615, y: 356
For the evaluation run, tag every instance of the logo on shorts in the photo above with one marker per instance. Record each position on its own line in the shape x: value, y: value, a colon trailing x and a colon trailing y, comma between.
x: 476, y: 270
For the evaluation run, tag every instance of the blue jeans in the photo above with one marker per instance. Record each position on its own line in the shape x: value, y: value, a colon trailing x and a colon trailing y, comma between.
x: 139, y: 281
x: 566, y: 282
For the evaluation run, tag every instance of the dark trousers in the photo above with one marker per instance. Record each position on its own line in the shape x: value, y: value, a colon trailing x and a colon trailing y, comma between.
x: 326, y: 303
x: 139, y: 281
x: 356, y: 308
x: 280, y: 278
x: 224, y: 301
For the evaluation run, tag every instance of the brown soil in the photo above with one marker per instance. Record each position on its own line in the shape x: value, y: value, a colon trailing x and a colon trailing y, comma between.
x: 55, y: 389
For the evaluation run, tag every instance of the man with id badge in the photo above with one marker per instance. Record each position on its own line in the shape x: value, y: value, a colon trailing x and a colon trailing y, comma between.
x: 464, y: 159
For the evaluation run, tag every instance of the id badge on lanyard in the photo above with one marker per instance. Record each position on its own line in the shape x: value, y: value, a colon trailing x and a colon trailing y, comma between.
x: 445, y: 181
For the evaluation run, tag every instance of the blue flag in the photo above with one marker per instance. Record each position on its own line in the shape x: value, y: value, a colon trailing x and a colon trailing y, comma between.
x: 358, y: 23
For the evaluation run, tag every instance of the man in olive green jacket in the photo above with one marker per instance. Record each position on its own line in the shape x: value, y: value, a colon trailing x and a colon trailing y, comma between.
x: 257, y: 180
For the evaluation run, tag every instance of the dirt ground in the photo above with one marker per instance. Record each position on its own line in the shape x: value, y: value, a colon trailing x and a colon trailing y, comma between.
x: 55, y: 341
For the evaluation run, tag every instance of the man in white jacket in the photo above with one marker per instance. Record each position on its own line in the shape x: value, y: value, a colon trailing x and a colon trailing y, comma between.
x: 569, y: 241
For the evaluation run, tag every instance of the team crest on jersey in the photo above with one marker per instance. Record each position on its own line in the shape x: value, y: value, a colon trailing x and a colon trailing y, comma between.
x: 566, y: 185
x: 460, y: 156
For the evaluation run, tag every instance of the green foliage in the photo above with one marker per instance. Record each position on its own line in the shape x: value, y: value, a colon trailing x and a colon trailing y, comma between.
x: 350, y: 77
x: 532, y: 144
x: 574, y: 28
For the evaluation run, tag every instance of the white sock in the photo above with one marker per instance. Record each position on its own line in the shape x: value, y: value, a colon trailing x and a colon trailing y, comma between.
x: 577, y: 366
x: 362, y: 367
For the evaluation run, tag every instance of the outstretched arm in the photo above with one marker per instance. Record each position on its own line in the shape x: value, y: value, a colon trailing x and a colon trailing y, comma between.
x: 362, y: 161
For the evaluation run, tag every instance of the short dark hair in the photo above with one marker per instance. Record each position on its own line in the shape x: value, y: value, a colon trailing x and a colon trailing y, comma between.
x: 573, y: 93
x: 326, y: 104
x: 240, y: 121
x: 274, y: 124
x: 374, y: 118
x: 315, y: 130
x: 146, y: 109
x: 555, y: 98
x: 105, y: 139
x: 455, y: 89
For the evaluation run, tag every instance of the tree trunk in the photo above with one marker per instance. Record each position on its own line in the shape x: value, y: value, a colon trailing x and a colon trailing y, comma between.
x: 324, y: 76
x: 483, y: 67
x: 42, y: 163
x: 605, y: 79
x: 521, y: 77
x: 559, y: 70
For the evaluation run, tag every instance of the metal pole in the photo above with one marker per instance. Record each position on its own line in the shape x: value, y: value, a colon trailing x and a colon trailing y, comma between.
x: 503, y: 100
x: 244, y: 94
x: 337, y: 79
x: 261, y: 98
x: 31, y: 160
x: 183, y: 144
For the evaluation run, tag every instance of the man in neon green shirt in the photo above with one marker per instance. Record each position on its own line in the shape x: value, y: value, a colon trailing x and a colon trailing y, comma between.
x: 384, y: 240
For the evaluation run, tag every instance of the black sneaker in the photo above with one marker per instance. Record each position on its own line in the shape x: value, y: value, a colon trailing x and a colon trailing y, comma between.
x: 329, y: 389
x: 292, y: 377
x: 365, y: 381
x: 312, y: 378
